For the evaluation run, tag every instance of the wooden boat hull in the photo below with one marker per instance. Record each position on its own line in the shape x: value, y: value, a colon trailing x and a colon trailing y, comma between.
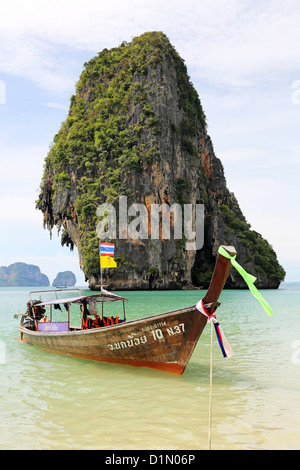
x: 164, y: 341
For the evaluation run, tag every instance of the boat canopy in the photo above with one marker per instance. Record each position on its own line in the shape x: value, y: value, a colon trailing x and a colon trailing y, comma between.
x: 105, y: 296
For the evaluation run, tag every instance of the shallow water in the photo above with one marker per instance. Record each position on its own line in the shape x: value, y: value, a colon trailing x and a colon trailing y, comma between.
x: 57, y: 402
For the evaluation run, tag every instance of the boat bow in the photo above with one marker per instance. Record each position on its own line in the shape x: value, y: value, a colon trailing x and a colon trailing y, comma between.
x: 165, y: 341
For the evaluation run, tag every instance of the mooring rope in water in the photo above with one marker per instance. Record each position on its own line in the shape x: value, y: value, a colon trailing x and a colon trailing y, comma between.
x: 210, y: 387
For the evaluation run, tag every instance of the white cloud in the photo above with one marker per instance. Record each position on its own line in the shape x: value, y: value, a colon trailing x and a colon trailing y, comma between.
x: 33, y: 59
x: 243, y: 155
x: 229, y: 42
x: 268, y: 203
x: 18, y: 209
x: 21, y: 169
x: 56, y: 106
x: 257, y: 37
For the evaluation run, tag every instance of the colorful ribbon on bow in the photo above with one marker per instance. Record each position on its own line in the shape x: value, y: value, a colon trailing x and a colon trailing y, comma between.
x: 223, y: 343
x: 249, y: 279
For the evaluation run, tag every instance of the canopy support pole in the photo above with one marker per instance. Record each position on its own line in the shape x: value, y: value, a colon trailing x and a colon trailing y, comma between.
x: 210, y: 388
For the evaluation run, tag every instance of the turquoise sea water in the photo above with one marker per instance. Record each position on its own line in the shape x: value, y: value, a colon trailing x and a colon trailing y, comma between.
x: 57, y: 402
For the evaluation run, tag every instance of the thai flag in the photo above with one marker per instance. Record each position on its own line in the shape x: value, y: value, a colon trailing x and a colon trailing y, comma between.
x: 107, y: 249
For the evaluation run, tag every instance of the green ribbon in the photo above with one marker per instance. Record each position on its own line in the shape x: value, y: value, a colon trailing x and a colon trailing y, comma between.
x: 249, y: 279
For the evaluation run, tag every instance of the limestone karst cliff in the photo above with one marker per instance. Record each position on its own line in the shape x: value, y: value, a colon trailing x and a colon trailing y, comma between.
x: 136, y: 128
x: 22, y: 275
x: 64, y: 279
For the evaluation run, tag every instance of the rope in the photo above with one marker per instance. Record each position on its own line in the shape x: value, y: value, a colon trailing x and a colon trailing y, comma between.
x: 210, y: 388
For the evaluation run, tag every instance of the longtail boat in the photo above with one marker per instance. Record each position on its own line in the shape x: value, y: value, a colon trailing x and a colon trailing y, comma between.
x: 165, y: 341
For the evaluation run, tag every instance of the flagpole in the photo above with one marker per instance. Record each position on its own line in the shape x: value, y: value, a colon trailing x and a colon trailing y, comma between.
x: 100, y: 265
x: 108, y: 253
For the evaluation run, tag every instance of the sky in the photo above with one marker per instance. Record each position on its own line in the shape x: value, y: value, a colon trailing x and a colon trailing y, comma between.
x: 242, y: 57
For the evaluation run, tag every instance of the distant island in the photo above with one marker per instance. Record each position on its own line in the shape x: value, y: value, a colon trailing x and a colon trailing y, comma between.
x: 22, y: 275
x: 65, y: 278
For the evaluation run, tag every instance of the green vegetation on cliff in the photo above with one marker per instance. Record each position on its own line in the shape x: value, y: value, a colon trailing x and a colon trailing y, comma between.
x: 104, y: 133
x: 136, y: 128
x: 22, y: 275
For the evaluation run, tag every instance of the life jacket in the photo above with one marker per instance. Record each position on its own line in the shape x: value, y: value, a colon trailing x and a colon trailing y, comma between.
x: 44, y: 319
x: 96, y: 322
x: 110, y: 321
x: 86, y: 323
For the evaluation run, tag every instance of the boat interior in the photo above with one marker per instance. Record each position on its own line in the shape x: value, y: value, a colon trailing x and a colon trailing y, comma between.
x: 40, y: 316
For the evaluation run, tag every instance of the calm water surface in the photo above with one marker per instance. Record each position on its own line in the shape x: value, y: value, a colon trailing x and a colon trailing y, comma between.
x: 55, y: 402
